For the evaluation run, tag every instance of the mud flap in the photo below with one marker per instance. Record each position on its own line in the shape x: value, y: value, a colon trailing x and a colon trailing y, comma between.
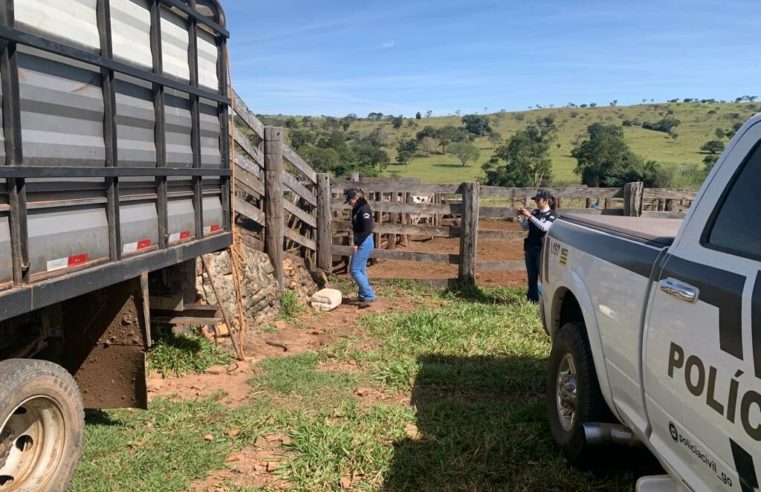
x: 104, y: 346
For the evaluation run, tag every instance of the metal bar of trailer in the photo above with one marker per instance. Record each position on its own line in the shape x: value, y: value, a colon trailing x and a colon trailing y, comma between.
x: 9, y: 78
x: 224, y: 135
x: 105, y: 172
x: 37, y: 295
x: 20, y: 37
x: 109, y: 130
x: 195, y: 122
x: 198, y: 17
x: 159, y: 132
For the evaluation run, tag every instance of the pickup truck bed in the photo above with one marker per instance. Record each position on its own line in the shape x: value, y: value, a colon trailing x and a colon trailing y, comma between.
x: 651, y: 230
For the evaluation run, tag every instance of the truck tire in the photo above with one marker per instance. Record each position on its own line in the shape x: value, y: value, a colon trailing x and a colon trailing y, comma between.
x: 41, y: 425
x: 573, y: 394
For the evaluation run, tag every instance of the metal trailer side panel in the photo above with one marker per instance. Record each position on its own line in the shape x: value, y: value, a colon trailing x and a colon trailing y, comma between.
x: 139, y: 226
x: 6, y: 265
x: 71, y: 20
x: 61, y: 111
x: 131, y: 32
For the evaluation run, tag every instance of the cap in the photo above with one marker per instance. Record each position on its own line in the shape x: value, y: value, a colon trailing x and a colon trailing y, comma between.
x: 543, y: 194
x: 350, y: 193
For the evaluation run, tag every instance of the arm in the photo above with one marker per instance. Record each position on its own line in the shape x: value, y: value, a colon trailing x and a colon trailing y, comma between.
x: 365, y: 226
x: 543, y: 226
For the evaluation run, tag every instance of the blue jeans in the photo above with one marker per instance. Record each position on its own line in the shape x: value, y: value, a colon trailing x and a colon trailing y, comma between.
x: 533, y: 259
x: 358, y: 269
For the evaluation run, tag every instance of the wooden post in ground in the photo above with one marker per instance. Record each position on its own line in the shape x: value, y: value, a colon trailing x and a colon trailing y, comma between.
x: 324, y: 217
x: 469, y: 233
x: 633, y: 193
x: 273, y: 199
x: 668, y: 205
x: 406, y: 219
x: 377, y: 237
x: 392, y: 238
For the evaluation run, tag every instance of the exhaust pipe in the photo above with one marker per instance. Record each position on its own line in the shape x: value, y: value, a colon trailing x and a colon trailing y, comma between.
x: 597, y: 433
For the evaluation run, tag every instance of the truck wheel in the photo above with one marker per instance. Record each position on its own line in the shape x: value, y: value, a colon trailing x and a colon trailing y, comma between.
x: 573, y: 393
x: 41, y: 424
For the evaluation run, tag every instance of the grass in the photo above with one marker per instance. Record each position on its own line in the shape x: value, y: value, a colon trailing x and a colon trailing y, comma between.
x: 183, y: 354
x: 455, y: 402
x: 290, y: 307
x: 698, y: 124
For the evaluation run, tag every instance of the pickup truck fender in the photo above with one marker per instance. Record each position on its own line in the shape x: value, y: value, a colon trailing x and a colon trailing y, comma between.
x: 571, y: 283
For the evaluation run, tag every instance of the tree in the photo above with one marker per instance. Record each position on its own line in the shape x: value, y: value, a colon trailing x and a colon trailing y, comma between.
x: 396, y: 121
x: 713, y: 147
x: 369, y: 156
x: 379, y: 137
x: 300, y: 138
x: 427, y: 145
x: 448, y: 134
x: 665, y: 125
x: 523, y: 161
x: 477, y: 125
x: 427, y: 131
x: 428, y: 113
x: 464, y: 151
x: 405, y: 149
x: 604, y: 158
x: 495, y: 138
x: 418, y: 116
x: 322, y: 160
x: 375, y: 116
x: 347, y: 120
x: 720, y: 133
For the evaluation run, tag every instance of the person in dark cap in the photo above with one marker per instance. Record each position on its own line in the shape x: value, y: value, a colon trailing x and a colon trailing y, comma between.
x: 362, y: 226
x: 537, y: 223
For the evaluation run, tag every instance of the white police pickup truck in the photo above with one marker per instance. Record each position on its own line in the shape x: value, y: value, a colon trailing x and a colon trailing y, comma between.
x: 656, y: 323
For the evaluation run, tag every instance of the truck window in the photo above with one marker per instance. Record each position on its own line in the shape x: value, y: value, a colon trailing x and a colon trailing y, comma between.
x: 735, y: 226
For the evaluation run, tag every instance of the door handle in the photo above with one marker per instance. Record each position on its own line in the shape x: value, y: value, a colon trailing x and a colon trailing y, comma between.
x: 680, y: 290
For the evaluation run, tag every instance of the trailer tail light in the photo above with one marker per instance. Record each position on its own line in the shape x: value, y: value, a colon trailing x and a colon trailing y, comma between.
x: 178, y: 236
x: 67, y: 262
x: 212, y: 229
x: 136, y: 246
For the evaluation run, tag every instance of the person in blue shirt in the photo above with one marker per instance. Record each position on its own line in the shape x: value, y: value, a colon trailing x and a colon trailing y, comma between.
x: 537, y: 223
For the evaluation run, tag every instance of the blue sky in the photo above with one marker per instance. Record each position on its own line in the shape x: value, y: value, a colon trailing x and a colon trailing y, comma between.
x: 336, y: 57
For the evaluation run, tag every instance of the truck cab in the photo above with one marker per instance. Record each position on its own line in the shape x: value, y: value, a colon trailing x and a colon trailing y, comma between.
x: 656, y: 325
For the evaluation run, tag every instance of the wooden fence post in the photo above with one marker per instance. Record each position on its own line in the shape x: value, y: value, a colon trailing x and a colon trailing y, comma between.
x: 633, y: 194
x: 469, y: 233
x: 324, y: 216
x: 273, y: 199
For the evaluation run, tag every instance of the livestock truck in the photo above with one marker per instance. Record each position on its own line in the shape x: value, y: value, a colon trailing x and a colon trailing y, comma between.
x: 116, y: 177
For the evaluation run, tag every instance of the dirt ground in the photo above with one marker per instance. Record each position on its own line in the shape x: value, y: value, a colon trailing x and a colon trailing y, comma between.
x: 487, y: 251
x: 253, y: 466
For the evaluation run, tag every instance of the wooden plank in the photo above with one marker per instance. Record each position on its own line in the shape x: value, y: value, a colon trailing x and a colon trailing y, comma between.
x: 298, y: 238
x: 501, y: 235
x: 302, y: 215
x: 469, y: 235
x: 664, y: 214
x: 251, y: 241
x: 248, y: 210
x: 251, y: 184
x: 403, y: 208
x: 668, y: 194
x: 565, y: 192
x: 395, y: 254
x: 490, y: 266
x: 273, y: 200
x: 244, y: 163
x: 247, y: 115
x: 256, y: 155
x: 298, y: 188
x: 388, y: 228
x: 496, y: 213
x: 324, y: 219
x: 391, y: 186
x: 299, y: 163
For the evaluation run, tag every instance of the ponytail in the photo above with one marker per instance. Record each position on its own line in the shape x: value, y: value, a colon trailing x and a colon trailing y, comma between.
x: 551, y: 203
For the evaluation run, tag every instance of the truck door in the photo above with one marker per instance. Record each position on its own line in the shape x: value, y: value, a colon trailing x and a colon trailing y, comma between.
x: 702, y: 355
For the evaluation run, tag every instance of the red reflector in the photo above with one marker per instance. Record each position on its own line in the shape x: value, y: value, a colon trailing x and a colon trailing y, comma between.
x: 215, y: 228
x: 145, y: 243
x: 184, y: 234
x: 77, y: 259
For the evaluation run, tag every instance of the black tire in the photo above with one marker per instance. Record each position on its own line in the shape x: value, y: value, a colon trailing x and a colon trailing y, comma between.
x: 574, y: 399
x: 41, y: 425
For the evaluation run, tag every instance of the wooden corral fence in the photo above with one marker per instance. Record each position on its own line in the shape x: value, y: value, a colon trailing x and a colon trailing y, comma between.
x: 282, y: 204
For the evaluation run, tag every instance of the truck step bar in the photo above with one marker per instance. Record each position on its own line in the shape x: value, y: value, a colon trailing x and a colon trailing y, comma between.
x: 603, y: 433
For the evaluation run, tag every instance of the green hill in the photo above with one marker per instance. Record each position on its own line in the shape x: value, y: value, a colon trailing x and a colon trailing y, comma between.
x: 699, y: 122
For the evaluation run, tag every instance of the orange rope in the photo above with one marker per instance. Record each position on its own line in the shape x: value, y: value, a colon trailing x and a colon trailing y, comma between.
x: 236, y: 250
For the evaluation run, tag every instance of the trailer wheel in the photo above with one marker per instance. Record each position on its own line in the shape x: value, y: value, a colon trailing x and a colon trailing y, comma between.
x: 573, y: 393
x: 41, y: 424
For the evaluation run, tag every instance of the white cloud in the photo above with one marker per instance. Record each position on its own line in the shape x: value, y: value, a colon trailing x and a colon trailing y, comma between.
x: 388, y: 44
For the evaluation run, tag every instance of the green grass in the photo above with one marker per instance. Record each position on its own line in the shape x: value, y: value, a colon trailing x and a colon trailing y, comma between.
x: 289, y: 305
x: 472, y: 363
x: 183, y: 354
x: 698, y: 124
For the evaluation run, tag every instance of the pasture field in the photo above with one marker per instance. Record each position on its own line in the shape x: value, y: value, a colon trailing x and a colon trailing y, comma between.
x: 698, y: 125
